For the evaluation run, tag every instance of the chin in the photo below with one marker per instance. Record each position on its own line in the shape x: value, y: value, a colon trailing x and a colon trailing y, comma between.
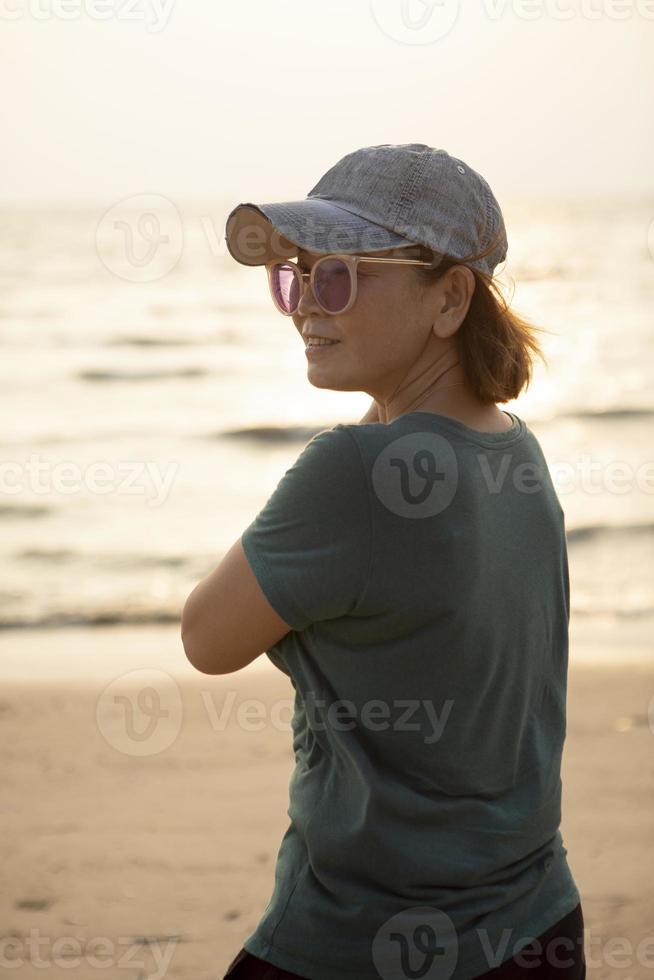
x: 334, y: 385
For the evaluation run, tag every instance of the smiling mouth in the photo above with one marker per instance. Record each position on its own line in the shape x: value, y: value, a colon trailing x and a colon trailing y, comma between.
x: 319, y: 342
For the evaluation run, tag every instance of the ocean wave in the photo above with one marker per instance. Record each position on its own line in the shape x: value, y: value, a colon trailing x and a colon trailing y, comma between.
x: 110, y: 561
x: 73, y: 437
x: 604, y: 414
x: 101, y: 374
x: 593, y: 532
x: 142, y: 341
x: 196, y: 563
x: 643, y: 612
x: 300, y: 433
x: 101, y: 617
x: 271, y: 433
x: 24, y: 510
x: 119, y: 616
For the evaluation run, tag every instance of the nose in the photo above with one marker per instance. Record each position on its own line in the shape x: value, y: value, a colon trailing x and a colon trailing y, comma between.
x: 307, y: 304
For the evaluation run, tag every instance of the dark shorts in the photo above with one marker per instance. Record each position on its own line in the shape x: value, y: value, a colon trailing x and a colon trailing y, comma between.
x: 557, y: 954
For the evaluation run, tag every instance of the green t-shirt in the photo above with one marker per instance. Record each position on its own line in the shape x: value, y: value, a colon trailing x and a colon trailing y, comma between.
x: 422, y: 568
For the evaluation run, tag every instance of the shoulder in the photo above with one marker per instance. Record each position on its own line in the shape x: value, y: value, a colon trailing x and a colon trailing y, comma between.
x: 328, y: 466
x: 335, y: 448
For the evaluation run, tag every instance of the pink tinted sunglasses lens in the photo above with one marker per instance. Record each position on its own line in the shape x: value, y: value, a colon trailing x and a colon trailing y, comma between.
x: 332, y: 285
x: 286, y: 288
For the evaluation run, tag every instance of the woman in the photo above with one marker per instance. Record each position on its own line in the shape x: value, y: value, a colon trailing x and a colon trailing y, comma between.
x: 411, y: 573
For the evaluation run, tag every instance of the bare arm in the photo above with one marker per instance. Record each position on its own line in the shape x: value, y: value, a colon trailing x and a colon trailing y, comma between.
x: 372, y: 415
x: 227, y: 621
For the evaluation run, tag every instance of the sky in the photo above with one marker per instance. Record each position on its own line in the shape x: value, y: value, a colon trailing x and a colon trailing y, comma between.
x: 218, y: 101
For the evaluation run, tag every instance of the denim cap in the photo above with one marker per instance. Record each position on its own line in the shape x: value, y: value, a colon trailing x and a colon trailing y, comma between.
x: 377, y: 198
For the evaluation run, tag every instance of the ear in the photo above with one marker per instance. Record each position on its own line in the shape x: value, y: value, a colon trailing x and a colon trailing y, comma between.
x: 452, y: 295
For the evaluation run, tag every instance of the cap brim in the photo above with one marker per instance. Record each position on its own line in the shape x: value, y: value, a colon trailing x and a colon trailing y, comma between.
x: 259, y: 233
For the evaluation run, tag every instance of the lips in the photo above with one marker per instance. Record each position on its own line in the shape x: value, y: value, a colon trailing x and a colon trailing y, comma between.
x: 314, y: 330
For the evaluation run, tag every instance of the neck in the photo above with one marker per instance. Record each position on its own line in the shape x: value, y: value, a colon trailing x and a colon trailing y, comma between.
x: 426, y: 387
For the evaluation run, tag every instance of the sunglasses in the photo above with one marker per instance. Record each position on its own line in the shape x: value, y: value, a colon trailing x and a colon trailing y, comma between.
x: 333, y: 279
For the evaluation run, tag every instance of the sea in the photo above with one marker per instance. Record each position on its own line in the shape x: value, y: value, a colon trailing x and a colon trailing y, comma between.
x: 148, y: 411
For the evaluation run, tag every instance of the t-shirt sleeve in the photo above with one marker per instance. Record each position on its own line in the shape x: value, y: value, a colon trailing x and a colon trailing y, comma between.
x: 309, y: 546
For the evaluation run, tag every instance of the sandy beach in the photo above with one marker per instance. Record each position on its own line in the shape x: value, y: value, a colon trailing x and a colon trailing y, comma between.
x: 140, y: 825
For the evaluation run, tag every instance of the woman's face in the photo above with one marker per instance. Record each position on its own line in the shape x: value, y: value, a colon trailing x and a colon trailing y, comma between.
x: 384, y: 336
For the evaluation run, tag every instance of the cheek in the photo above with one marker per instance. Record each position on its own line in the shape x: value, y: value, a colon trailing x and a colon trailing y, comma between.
x: 380, y: 323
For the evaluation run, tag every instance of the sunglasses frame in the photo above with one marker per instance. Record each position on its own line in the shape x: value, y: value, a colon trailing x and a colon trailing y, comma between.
x: 351, y: 262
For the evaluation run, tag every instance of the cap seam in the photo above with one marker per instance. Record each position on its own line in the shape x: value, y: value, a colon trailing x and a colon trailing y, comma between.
x: 489, y: 217
x: 407, y: 190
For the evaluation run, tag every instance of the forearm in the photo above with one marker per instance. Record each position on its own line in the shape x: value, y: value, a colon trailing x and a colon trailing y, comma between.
x: 372, y: 415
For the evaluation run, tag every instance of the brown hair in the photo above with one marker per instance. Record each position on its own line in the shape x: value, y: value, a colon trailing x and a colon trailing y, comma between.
x: 496, y: 345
